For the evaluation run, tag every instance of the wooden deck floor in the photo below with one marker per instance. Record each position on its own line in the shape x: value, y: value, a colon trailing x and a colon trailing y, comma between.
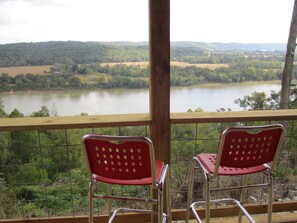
x: 277, y: 218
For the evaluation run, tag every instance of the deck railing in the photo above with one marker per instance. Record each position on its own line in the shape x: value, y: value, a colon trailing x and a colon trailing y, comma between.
x: 42, y: 172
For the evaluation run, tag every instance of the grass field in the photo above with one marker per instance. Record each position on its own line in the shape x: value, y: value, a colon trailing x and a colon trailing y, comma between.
x: 12, y: 71
x: 173, y: 63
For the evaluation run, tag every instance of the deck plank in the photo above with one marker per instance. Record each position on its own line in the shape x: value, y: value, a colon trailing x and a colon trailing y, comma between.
x: 276, y: 218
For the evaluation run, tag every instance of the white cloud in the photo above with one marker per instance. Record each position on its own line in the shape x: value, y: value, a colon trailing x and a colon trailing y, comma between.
x: 231, y: 20
x: 88, y: 20
x: 117, y: 20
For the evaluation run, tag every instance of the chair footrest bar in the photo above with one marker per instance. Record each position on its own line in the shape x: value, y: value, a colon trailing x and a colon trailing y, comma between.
x: 108, y: 197
x: 240, y: 187
x: 130, y: 210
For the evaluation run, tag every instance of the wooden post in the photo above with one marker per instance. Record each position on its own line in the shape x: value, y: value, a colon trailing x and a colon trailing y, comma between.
x: 159, y: 47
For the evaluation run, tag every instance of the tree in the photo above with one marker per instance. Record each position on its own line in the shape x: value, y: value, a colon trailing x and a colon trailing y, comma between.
x: 16, y: 114
x: 43, y: 112
x: 287, y: 73
x: 2, y: 112
x: 31, y: 172
x: 74, y: 82
x: 259, y: 101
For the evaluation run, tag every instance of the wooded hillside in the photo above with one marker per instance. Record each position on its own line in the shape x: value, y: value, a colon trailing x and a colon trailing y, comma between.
x: 49, y: 53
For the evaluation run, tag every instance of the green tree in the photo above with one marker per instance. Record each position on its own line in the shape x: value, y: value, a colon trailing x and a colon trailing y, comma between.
x: 74, y: 82
x: 16, y: 114
x: 2, y: 112
x: 255, y: 101
x: 31, y: 172
x: 43, y: 112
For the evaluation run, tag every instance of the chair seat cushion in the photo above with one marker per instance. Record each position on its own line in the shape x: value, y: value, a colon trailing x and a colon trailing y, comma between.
x: 208, y: 161
x: 143, y: 181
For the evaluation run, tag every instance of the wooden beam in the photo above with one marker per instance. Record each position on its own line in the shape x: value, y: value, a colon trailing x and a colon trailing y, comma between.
x: 237, y: 116
x: 232, y: 210
x: 71, y: 122
x: 279, y: 208
x: 97, y: 121
x: 159, y: 48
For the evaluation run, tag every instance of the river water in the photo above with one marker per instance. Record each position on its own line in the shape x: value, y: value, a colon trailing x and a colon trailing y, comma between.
x: 209, y: 97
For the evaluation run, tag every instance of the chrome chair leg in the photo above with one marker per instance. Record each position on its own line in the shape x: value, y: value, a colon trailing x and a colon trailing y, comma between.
x: 109, y: 205
x: 207, y: 209
x: 160, y: 205
x: 269, y: 220
x: 242, y: 197
x: 91, y: 192
x: 168, y: 200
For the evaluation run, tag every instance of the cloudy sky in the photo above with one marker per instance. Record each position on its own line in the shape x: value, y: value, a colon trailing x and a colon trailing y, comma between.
x: 245, y: 21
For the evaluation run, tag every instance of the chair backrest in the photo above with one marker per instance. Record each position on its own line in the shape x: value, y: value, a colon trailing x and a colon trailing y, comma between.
x: 119, y: 157
x: 248, y: 146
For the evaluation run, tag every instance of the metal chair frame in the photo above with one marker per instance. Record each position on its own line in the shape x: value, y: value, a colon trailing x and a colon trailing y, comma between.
x: 242, y: 150
x: 128, y: 161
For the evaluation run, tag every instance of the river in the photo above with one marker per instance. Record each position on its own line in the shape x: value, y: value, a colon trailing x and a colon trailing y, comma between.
x: 209, y: 97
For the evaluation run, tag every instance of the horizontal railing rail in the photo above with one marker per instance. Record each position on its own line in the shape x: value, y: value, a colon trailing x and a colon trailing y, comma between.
x: 95, y: 121
x: 72, y: 122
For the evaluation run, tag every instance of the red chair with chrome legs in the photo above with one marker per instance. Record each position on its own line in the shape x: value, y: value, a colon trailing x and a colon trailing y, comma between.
x: 128, y: 161
x: 242, y: 150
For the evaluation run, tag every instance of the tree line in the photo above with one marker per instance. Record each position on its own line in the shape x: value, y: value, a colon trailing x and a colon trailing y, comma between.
x: 70, y: 75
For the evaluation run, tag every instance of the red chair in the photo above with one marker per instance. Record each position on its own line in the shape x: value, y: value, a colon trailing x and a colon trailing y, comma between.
x: 242, y: 150
x: 129, y: 161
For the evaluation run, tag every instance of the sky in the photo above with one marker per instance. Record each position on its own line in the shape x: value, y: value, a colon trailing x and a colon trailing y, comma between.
x: 242, y: 21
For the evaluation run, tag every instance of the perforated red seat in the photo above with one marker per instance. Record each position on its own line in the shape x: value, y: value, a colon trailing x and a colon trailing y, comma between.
x: 209, y: 160
x: 129, y: 161
x: 242, y: 150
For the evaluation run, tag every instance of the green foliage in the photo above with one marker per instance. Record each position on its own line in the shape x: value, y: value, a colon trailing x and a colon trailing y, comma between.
x: 5, y: 82
x: 23, y: 145
x: 8, y: 206
x: 125, y: 82
x: 256, y: 101
x: 43, y: 82
x: 43, y: 112
x: 31, y: 172
x: 30, y: 210
x: 185, y: 76
x: 69, y: 189
x: 16, y: 114
x: 2, y: 112
x: 261, y: 101
x: 44, y: 53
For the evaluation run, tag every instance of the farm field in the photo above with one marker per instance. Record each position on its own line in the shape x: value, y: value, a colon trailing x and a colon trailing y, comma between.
x: 172, y: 63
x: 12, y: 71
